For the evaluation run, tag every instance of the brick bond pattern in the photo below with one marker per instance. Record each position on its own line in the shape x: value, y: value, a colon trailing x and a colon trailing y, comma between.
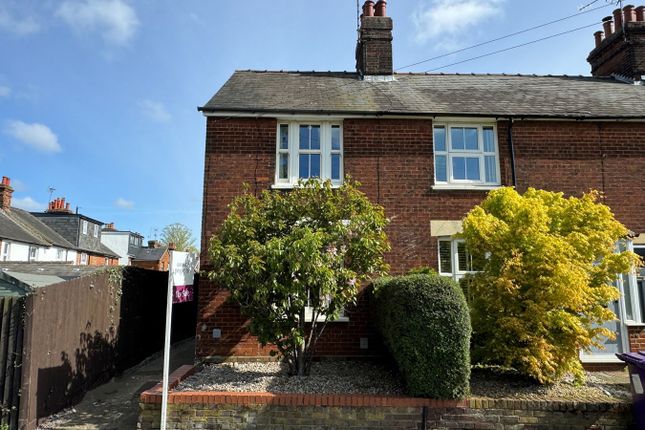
x: 233, y: 411
x: 393, y: 159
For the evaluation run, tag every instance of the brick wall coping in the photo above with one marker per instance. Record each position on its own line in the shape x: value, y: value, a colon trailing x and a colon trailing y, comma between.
x: 154, y: 395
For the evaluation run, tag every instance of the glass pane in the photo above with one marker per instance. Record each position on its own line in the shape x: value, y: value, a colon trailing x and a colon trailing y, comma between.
x: 335, y: 166
x: 445, y: 257
x: 472, y: 169
x: 304, y: 137
x: 315, y: 137
x: 459, y: 168
x: 439, y: 138
x: 284, y: 166
x: 463, y: 259
x: 489, y: 139
x: 284, y: 136
x: 440, y: 168
x: 335, y: 138
x: 629, y: 301
x: 471, y: 139
x: 315, y: 166
x: 457, y: 137
x: 491, y: 168
x: 304, y: 166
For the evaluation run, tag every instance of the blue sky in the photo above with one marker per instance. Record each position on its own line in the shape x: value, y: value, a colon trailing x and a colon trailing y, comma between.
x: 98, y: 98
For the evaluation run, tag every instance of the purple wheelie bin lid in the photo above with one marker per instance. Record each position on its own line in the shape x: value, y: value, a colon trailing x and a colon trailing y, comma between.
x: 635, y: 358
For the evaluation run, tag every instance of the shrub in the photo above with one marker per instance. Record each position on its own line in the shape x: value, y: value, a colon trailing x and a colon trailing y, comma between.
x: 546, y: 279
x: 282, y: 255
x: 426, y: 327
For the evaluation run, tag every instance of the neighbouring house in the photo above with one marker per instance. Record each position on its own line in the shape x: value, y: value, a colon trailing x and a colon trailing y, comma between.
x: 125, y: 243
x: 24, y: 238
x: 155, y: 256
x: 83, y: 232
x: 428, y: 147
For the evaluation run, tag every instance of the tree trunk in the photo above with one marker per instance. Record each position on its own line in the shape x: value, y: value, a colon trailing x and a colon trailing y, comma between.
x: 301, y: 348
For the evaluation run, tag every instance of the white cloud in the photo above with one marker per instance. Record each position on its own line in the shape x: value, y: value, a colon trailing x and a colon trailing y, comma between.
x: 123, y: 203
x: 36, y: 136
x: 443, y: 21
x: 154, y: 110
x: 15, y: 25
x: 115, y: 19
x: 4, y: 91
x: 28, y: 204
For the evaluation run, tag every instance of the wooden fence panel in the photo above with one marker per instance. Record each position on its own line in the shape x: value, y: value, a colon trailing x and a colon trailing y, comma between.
x: 11, y: 336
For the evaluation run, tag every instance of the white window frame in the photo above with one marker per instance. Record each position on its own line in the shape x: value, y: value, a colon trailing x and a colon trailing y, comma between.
x: 60, y: 254
x: 6, y: 251
x: 84, y: 226
x: 455, y: 272
x: 449, y: 153
x: 635, y: 307
x: 84, y: 258
x: 96, y: 230
x: 294, y: 151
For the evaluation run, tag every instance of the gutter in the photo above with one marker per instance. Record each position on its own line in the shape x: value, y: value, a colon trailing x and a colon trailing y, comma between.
x: 418, y: 115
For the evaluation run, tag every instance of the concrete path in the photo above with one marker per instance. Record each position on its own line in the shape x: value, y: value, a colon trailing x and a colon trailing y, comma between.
x: 115, y: 405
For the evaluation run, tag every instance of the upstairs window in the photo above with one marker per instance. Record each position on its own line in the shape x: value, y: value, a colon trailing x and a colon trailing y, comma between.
x: 33, y: 253
x: 309, y: 150
x: 466, y: 156
x: 96, y: 230
x: 6, y: 251
x: 84, y: 226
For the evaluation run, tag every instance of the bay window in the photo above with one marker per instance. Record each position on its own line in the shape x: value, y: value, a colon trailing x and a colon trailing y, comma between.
x: 466, y: 156
x: 309, y: 150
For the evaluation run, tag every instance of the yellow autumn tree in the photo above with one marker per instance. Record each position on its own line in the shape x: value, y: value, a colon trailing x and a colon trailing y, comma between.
x: 549, y: 264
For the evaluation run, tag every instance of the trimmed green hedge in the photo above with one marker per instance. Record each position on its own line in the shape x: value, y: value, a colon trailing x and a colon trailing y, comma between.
x: 425, y: 324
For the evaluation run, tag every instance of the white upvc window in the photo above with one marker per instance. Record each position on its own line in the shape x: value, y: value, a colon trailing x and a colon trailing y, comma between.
x: 6, y: 251
x: 84, y: 226
x: 454, y: 259
x: 633, y: 302
x: 96, y: 230
x: 60, y: 254
x: 466, y: 156
x: 308, y: 149
x: 83, y: 258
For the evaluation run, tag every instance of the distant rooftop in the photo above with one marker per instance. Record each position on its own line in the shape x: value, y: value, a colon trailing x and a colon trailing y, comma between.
x: 19, y: 279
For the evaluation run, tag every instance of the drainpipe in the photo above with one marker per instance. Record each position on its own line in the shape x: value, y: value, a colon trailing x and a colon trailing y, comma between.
x: 510, y: 142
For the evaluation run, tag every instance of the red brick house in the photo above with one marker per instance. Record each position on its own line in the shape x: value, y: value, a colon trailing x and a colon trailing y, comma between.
x: 428, y: 147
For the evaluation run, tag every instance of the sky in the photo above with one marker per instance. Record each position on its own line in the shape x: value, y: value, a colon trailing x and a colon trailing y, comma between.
x: 98, y: 98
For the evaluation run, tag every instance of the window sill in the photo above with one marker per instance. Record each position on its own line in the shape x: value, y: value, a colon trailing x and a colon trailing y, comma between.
x: 465, y: 187
x: 601, y: 359
x: 634, y: 324
x: 292, y: 186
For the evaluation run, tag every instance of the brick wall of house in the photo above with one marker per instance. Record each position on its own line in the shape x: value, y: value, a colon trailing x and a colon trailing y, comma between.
x: 393, y: 160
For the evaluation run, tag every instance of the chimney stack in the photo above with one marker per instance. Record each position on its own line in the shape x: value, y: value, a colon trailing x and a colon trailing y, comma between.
x: 374, y: 48
x: 5, y: 193
x: 153, y: 244
x: 59, y: 205
x: 622, y: 49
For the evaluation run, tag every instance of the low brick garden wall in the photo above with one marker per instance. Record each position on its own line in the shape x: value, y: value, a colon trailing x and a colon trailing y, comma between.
x: 242, y: 411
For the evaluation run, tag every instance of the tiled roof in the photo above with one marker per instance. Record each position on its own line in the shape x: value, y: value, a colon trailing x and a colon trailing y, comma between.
x: 430, y: 94
x: 21, y: 226
x: 150, y: 254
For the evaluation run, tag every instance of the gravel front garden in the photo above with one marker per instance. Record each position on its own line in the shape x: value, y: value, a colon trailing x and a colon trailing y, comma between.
x: 358, y: 377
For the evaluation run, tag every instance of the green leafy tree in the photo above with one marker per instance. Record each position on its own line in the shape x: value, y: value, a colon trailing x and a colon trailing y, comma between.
x: 549, y: 264
x: 179, y: 235
x: 293, y: 261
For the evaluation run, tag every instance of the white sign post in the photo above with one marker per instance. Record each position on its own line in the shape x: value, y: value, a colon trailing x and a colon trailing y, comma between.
x: 181, y: 273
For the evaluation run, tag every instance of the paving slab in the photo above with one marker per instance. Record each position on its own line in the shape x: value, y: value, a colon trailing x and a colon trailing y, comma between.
x: 115, y: 405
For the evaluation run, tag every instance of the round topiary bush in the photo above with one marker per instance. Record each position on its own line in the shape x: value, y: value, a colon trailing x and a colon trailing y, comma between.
x: 425, y: 325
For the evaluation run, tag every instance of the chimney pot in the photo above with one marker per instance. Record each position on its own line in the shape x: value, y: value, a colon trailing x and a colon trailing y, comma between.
x: 171, y: 246
x: 67, y: 207
x: 640, y: 13
x: 381, y: 8
x: 618, y: 19
x: 368, y: 8
x: 606, y: 23
x: 599, y: 36
x: 628, y: 12
x: 6, y: 181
